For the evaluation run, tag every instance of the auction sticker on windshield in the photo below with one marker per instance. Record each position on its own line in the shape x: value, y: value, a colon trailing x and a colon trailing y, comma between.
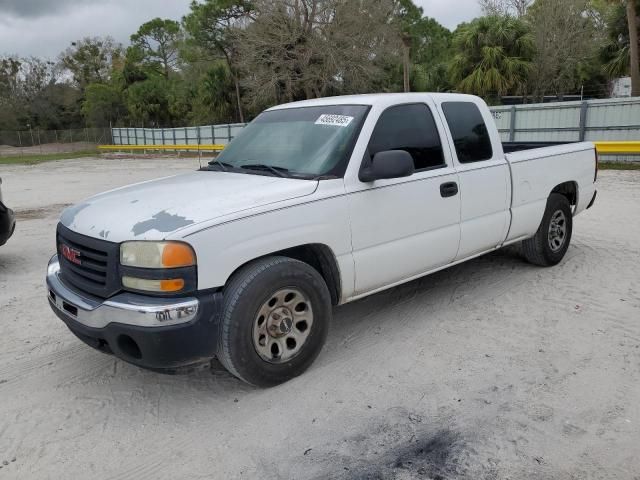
x: 334, y: 120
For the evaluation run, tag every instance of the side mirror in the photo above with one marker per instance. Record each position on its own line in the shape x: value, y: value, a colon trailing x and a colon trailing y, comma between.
x: 388, y: 164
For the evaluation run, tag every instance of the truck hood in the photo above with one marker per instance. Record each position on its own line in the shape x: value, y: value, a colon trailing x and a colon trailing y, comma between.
x: 152, y: 210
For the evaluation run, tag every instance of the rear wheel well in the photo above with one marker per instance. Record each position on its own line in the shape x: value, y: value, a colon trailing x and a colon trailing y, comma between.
x: 569, y: 190
x: 318, y: 256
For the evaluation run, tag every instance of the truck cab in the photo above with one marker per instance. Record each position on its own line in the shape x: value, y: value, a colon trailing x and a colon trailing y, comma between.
x: 314, y: 204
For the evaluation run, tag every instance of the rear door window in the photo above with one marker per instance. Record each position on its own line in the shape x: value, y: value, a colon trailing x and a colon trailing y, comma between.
x: 470, y: 134
x: 410, y: 128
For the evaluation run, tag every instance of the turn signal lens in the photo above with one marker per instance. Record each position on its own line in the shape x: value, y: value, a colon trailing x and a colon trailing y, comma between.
x: 177, y: 255
x: 168, y: 286
x: 157, y: 255
x: 174, y: 285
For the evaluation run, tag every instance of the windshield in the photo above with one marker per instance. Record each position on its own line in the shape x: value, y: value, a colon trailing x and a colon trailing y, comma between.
x: 306, y: 141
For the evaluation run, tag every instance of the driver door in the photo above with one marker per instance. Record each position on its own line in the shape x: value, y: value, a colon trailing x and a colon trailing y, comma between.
x: 404, y: 227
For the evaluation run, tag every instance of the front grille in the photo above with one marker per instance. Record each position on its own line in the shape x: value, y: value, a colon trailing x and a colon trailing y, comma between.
x: 97, y: 270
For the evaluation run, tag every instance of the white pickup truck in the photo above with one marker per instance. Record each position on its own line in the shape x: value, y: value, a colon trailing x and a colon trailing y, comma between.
x: 314, y: 204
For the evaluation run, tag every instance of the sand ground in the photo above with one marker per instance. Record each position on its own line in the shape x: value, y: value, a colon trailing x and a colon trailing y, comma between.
x: 492, y: 369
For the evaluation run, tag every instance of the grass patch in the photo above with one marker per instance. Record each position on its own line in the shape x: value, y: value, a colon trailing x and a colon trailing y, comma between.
x: 619, y: 165
x: 45, y: 157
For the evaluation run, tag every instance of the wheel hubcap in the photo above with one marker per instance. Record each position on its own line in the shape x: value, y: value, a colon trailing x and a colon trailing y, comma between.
x: 282, y: 325
x: 557, y: 230
x: 280, y: 322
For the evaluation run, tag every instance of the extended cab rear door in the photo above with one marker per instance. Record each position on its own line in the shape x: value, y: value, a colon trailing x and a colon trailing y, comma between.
x: 404, y: 227
x: 483, y: 172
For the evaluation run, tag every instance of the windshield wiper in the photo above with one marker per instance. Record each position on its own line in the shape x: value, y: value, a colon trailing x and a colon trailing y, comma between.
x: 323, y: 177
x: 279, y: 171
x: 223, y: 166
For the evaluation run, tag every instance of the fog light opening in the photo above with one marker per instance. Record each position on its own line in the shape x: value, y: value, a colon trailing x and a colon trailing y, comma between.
x: 73, y: 310
x: 129, y: 347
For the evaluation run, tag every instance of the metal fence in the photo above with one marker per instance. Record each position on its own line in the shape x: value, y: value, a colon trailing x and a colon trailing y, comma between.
x: 595, y: 120
x: 35, y: 141
x: 205, y: 135
x: 592, y: 120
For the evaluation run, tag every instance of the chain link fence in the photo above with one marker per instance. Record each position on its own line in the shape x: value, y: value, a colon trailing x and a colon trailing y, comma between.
x: 43, y: 142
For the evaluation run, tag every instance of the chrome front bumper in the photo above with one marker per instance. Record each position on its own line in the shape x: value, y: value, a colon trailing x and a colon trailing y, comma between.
x: 124, y: 308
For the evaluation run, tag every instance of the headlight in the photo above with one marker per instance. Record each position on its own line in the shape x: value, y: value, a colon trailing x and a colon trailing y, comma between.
x: 157, y: 255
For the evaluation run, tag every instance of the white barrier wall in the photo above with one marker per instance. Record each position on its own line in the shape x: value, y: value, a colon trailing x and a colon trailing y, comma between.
x: 205, y: 135
x: 609, y: 119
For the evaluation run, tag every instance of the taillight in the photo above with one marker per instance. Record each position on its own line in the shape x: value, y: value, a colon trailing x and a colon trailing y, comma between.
x: 595, y: 177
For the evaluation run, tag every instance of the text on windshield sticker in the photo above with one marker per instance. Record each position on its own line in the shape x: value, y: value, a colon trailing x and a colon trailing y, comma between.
x: 334, y: 120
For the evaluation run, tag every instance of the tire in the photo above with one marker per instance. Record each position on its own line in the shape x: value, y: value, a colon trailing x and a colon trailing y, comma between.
x: 551, y: 241
x: 294, y: 303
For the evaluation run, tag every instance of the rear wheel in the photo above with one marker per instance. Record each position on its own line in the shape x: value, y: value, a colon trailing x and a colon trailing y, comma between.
x: 552, y: 239
x: 275, y: 320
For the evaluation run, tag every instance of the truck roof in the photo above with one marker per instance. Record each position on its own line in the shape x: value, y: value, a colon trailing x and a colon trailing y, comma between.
x: 376, y: 99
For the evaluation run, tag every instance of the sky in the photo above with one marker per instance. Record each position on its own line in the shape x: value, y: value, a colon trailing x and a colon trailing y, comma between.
x: 44, y: 28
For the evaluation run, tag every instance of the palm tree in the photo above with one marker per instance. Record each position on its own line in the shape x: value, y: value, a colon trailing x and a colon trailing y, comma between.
x: 493, y: 56
x: 620, y: 53
x: 214, y: 95
x: 632, y: 20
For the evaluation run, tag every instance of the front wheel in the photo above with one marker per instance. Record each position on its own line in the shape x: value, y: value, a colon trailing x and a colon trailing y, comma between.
x: 552, y: 239
x: 275, y: 320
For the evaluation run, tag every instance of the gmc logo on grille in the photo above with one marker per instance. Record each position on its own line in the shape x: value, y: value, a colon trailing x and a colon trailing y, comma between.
x: 70, y: 254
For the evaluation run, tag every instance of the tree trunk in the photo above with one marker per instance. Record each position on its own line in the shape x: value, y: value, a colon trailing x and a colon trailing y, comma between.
x: 236, y: 83
x: 308, y: 92
x: 633, y: 47
x: 406, y: 64
x: 238, y: 99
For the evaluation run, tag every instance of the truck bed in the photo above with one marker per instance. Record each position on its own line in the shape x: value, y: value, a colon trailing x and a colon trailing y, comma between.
x: 535, y: 171
x: 511, y: 147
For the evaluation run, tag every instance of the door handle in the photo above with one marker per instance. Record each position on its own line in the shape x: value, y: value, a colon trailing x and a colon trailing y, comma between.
x: 448, y: 189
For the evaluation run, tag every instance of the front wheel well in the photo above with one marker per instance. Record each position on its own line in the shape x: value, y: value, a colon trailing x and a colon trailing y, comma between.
x: 318, y: 256
x: 569, y: 190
